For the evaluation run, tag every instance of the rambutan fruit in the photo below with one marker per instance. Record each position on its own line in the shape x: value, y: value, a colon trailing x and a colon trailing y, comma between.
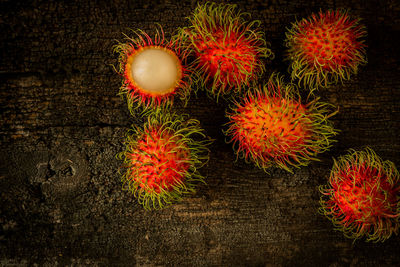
x: 362, y: 197
x: 227, y: 49
x: 325, y: 48
x: 273, y: 128
x: 162, y: 158
x: 154, y: 71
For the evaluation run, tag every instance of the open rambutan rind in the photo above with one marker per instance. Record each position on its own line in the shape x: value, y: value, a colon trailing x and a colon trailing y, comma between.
x: 154, y: 70
x: 273, y: 128
x: 362, y: 197
x: 325, y: 48
x: 161, y: 160
x: 228, y: 50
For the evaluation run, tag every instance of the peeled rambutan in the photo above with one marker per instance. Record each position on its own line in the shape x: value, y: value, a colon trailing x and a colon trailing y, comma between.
x: 162, y: 158
x: 227, y: 48
x: 154, y: 71
x: 325, y: 48
x: 273, y: 128
x: 362, y: 197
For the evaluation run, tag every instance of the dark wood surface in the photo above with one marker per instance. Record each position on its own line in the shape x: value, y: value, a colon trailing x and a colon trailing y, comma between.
x: 62, y: 123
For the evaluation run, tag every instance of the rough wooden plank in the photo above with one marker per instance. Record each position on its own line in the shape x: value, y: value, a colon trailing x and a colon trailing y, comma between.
x: 62, y: 124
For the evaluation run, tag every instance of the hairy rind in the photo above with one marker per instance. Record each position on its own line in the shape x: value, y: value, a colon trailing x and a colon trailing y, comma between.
x: 141, y: 39
x: 384, y: 228
x: 317, y: 114
x: 186, y: 133
x: 211, y: 16
x: 316, y: 76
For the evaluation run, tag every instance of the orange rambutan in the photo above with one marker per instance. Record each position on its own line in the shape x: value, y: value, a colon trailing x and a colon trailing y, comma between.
x: 272, y: 127
x: 162, y: 159
x: 154, y: 70
x: 362, y: 197
x: 227, y: 49
x: 326, y: 48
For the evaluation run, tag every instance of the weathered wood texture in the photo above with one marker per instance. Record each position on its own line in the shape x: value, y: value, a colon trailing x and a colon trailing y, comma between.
x: 62, y: 124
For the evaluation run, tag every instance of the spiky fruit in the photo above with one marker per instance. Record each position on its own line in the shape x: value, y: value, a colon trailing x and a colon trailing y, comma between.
x: 162, y: 158
x: 325, y: 48
x: 272, y: 127
x: 362, y: 197
x: 154, y: 71
x: 228, y: 49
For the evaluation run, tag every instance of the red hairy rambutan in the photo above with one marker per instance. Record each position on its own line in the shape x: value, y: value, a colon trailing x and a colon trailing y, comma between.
x: 153, y: 71
x: 325, y: 48
x: 228, y: 49
x: 362, y: 197
x: 162, y: 158
x: 272, y: 127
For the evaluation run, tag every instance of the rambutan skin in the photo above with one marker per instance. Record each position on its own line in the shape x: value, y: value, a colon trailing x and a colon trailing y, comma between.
x: 161, y: 159
x: 272, y: 127
x: 326, y: 48
x: 362, y: 197
x: 227, y: 48
x: 136, y: 96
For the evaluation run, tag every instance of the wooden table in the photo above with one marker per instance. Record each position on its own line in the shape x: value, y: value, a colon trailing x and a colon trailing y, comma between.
x: 62, y: 124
